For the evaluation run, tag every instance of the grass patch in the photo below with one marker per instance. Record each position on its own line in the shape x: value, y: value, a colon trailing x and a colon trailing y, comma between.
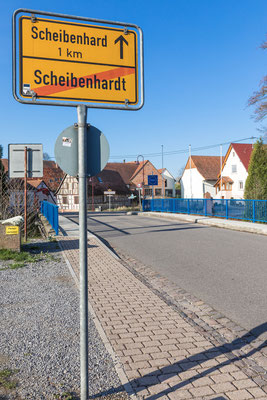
x: 5, y: 379
x: 20, y: 259
x: 17, y: 265
x: 23, y: 256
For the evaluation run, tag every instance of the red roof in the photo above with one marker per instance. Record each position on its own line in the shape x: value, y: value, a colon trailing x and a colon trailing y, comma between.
x: 207, y: 166
x: 109, y: 179
x: 243, y: 150
x: 35, y: 182
x: 125, y: 169
x: 52, y: 174
x: 140, y: 166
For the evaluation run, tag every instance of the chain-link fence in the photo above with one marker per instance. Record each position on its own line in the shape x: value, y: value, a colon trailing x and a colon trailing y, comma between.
x: 12, y: 201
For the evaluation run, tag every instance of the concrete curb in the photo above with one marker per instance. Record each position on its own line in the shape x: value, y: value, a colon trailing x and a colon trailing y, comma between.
x: 118, y: 366
x: 217, y: 222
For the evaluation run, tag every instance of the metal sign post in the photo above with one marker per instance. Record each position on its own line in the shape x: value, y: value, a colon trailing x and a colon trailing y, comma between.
x: 62, y: 60
x: 25, y: 194
x: 82, y: 147
x: 109, y: 193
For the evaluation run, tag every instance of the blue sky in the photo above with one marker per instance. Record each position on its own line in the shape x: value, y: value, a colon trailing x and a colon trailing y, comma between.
x: 202, y: 63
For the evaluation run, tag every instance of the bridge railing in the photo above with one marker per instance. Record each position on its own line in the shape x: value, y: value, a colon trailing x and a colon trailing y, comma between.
x: 247, y: 210
x: 50, y: 212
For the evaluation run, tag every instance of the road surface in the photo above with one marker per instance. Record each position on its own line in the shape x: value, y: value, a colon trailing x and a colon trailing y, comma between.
x: 226, y: 269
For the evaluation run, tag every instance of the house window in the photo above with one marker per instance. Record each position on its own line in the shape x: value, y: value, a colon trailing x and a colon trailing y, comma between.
x: 168, y: 192
x: 64, y: 200
x: 148, y: 192
x: 233, y: 153
x: 234, y: 169
x: 166, y: 183
x: 158, y: 192
x: 241, y: 185
x: 76, y: 199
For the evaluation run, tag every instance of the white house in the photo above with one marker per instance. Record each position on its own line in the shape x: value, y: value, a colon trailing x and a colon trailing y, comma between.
x: 231, y: 180
x: 42, y: 190
x: 169, y: 182
x: 199, y: 177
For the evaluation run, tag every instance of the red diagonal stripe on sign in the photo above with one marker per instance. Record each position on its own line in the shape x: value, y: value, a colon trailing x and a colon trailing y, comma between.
x: 107, y: 75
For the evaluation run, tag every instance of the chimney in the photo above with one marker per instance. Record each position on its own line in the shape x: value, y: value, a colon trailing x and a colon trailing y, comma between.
x: 124, y: 161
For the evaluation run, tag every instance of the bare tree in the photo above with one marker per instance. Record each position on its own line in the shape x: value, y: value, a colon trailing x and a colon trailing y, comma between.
x: 259, y: 98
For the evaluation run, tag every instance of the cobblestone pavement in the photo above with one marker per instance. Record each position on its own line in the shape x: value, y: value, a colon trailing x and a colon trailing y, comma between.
x: 170, y: 344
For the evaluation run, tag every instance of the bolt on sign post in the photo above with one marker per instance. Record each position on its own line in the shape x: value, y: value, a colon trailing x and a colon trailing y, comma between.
x: 72, y: 61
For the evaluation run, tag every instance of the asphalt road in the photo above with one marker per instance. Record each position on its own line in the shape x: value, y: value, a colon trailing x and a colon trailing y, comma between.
x: 226, y: 269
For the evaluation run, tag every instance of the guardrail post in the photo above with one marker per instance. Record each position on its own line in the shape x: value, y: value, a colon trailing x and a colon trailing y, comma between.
x: 173, y: 205
x: 254, y: 211
x: 56, y: 219
x: 226, y: 209
x: 205, y: 205
x: 152, y: 204
x: 188, y: 207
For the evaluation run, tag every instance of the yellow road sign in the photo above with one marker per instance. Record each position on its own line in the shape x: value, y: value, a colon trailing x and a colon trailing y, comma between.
x: 12, y: 230
x: 77, y: 62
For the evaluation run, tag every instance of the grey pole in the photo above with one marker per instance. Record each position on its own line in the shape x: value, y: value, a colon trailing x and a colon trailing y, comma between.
x: 162, y: 185
x: 82, y: 149
x: 221, y: 167
x: 190, y: 164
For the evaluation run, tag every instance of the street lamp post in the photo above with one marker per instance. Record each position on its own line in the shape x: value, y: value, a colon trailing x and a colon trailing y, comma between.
x: 143, y: 183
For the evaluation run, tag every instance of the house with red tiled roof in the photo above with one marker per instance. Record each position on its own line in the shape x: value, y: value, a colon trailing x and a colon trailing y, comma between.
x: 43, y: 187
x: 199, y: 177
x: 232, y: 177
x: 122, y: 178
x: 43, y: 191
x: 52, y: 175
x: 108, y: 179
x: 135, y: 175
x: 125, y: 169
x: 140, y: 179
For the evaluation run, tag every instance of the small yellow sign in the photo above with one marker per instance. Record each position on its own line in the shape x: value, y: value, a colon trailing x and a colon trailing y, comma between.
x: 78, y: 62
x: 12, y: 230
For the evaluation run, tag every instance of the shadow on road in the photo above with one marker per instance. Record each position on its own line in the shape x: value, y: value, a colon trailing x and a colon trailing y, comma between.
x: 128, y: 231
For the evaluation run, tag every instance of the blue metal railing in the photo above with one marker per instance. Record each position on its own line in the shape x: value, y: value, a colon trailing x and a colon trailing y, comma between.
x: 50, y: 212
x: 248, y: 210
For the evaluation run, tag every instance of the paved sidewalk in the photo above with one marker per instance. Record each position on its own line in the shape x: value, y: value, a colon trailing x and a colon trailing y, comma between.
x: 163, y: 355
x: 243, y: 226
